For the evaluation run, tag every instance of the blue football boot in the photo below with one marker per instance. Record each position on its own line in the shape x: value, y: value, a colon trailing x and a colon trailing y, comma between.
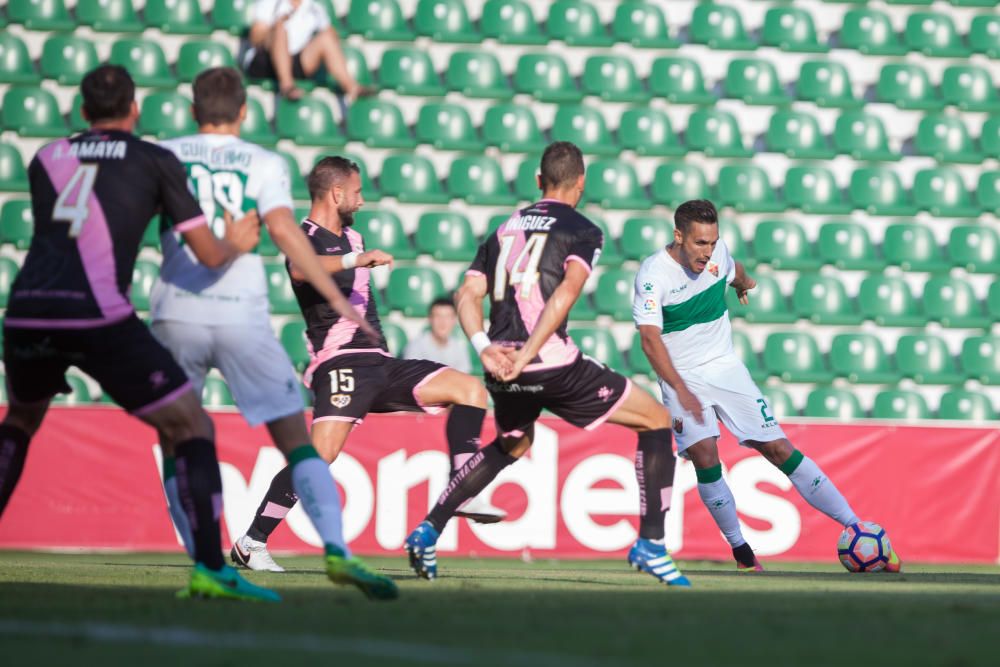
x: 420, y: 546
x: 645, y: 556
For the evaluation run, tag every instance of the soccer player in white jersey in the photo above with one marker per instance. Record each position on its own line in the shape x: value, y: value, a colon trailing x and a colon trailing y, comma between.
x: 220, y: 318
x: 680, y: 311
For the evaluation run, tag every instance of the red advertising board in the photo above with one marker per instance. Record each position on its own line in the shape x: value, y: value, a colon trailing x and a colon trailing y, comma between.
x: 92, y: 481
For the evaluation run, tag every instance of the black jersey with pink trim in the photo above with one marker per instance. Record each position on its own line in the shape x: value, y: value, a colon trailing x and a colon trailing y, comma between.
x: 328, y: 335
x: 524, y: 261
x: 92, y: 197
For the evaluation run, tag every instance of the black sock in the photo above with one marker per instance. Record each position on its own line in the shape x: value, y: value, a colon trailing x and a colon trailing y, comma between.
x: 13, y: 451
x: 654, y: 470
x: 465, y: 423
x: 281, y: 498
x: 469, y: 481
x: 199, y: 485
x: 744, y: 555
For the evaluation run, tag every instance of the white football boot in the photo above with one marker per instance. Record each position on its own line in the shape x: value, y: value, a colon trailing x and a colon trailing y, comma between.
x: 253, y: 555
x: 480, y: 511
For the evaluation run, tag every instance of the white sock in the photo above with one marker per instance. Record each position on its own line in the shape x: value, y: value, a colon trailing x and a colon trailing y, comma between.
x: 820, y: 492
x: 718, y: 498
x: 177, y: 514
x: 318, y: 494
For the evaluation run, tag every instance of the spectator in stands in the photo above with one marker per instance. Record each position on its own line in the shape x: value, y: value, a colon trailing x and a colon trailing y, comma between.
x: 289, y: 40
x: 438, y: 343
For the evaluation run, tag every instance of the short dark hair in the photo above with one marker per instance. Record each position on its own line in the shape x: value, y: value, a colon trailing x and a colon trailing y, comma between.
x: 445, y: 301
x: 108, y: 93
x: 328, y: 172
x: 695, y: 210
x: 562, y: 164
x: 218, y: 96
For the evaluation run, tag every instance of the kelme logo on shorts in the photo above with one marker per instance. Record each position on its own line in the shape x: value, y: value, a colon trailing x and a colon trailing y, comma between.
x: 678, y: 425
x: 340, y: 400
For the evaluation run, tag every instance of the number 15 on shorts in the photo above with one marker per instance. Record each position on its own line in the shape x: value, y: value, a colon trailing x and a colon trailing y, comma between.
x: 341, y: 385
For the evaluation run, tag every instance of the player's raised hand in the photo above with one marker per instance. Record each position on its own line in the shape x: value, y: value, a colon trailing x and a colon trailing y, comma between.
x: 690, y: 403
x: 495, y: 360
x: 243, y: 234
x: 743, y: 289
x: 372, y: 258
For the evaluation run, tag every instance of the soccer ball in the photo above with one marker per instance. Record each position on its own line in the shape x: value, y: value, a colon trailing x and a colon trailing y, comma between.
x: 864, y: 547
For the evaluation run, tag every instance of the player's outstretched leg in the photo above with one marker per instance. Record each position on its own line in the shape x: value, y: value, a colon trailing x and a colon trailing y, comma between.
x: 250, y: 550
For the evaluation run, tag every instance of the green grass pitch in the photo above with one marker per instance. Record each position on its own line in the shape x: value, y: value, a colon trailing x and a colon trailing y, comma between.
x: 97, y: 609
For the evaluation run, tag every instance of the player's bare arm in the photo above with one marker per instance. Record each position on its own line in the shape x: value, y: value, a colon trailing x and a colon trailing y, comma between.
x: 743, y: 283
x: 469, y: 303
x: 659, y: 359
x: 241, y: 236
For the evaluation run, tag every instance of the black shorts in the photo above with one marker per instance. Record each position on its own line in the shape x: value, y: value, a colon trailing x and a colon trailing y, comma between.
x: 350, y: 386
x: 130, y: 365
x: 585, y: 394
x: 261, y: 66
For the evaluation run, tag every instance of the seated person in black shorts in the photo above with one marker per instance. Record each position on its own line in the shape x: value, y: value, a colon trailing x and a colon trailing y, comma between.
x: 289, y: 40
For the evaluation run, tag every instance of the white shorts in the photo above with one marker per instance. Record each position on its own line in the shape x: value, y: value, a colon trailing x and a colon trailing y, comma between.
x: 726, y: 392
x: 252, y: 361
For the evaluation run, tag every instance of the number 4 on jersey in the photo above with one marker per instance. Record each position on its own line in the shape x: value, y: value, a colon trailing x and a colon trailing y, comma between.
x: 524, y: 270
x: 82, y: 184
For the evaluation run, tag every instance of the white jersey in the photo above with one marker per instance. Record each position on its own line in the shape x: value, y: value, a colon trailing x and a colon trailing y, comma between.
x: 688, y: 308
x: 224, y: 173
x: 301, y: 24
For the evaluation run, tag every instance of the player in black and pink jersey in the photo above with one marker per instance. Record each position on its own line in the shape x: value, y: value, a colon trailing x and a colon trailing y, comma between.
x: 92, y: 196
x: 349, y: 373
x: 533, y: 269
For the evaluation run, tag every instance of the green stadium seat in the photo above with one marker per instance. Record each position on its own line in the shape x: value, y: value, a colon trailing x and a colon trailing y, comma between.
x: 412, y: 289
x: 973, y: 3
x: 479, y: 180
x: 908, y: 86
x: 862, y: 136
x: 144, y: 275
x: 378, y: 124
x: 870, y: 32
x: 889, y: 302
x: 409, y: 71
x: 546, y: 77
x: 512, y: 128
x: 613, y: 295
x: 746, y: 353
x: 181, y: 17
x: 109, y: 15
x: 383, y: 230
x: 847, y: 246
x: 822, y: 300
x: 32, y: 112
x: 641, y: 237
x: 445, y: 21
x: 946, y: 139
x: 970, y: 88
x: 13, y: 176
x: 797, y: 134
x: 412, y: 179
x: 984, y: 34
x: 145, y: 61
x: 215, y: 394
x: 279, y: 289
x: 794, y: 357
x: 585, y: 127
x: 719, y: 27
x: 34, y: 15
x: 879, y: 191
x: 233, y: 16
x: 993, y: 301
x: 611, y: 255
x: 79, y: 392
x: 307, y: 122
x: 67, y: 59
x: 941, y: 191
x: 933, y: 34
x: 791, y: 29
x: 900, y: 405
x: 813, y: 189
x: 614, y: 184
x: 926, y: 360
x: 8, y: 272
x: 965, y: 405
x: 613, y: 79
x: 648, y: 132
x: 754, y: 81
x: 196, y: 56
x: 256, y: 128
x: 477, y: 75
x: 981, y: 359
x: 746, y: 188
x: 988, y: 191
x: 576, y: 23
x: 989, y: 137
x: 299, y: 189
x: 976, y: 248
x: 446, y: 236
x: 730, y: 234
x: 642, y: 25
x: 76, y: 120
x: 833, y: 403
x: 778, y: 403
x: 861, y: 359
x: 15, y: 62
x: 395, y: 338
x: 447, y: 127
x: 783, y: 245
x: 679, y: 80
x: 494, y: 224
x: 378, y: 20
x: 638, y: 362
x: 511, y: 22
x: 599, y: 344
x: 912, y: 247
x: 526, y: 181
x: 677, y: 182
x: 583, y: 309
x: 826, y: 84
x: 716, y: 133
x: 767, y: 304
x: 166, y: 115
x: 293, y: 339
x: 17, y: 223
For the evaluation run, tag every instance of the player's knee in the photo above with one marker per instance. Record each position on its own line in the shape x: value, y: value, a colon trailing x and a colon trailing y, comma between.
x: 656, y: 418
x: 474, y: 393
x: 775, y: 451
